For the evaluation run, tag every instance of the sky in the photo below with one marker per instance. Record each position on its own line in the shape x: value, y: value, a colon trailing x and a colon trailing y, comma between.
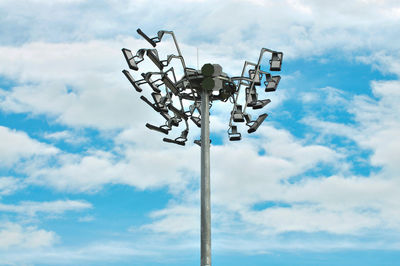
x: 84, y: 182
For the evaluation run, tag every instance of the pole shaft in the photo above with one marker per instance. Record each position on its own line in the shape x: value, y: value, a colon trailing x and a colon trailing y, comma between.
x: 205, y: 181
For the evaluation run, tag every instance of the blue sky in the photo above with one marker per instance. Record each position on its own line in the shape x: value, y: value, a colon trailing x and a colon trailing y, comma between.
x: 84, y: 182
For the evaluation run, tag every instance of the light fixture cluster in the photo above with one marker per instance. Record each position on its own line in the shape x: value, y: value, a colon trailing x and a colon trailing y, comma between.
x: 169, y: 92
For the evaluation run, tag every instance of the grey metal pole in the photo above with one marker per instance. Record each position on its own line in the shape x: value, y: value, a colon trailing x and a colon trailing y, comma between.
x: 205, y: 181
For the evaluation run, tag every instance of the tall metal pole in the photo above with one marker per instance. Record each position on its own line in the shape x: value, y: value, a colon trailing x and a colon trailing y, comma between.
x: 206, y: 82
x: 205, y: 181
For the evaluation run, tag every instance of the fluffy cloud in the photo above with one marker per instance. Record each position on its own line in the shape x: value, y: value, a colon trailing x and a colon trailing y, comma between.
x: 75, y: 80
x: 17, y: 145
x: 53, y: 207
x: 9, y: 185
x: 377, y: 127
x: 16, y: 236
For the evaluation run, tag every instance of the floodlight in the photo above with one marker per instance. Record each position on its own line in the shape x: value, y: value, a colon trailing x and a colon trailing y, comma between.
x: 153, y: 55
x: 276, y: 61
x: 159, y: 129
x: 131, y: 80
x: 149, y: 103
x: 201, y: 87
x: 171, y: 121
x: 196, y: 120
x: 130, y: 59
x: 257, y: 123
x: 272, y: 83
x: 177, y: 112
x: 147, y: 78
x: 260, y: 104
x: 170, y: 85
x: 238, y: 114
x: 159, y: 101
x: 141, y: 33
x: 234, y: 135
x: 251, y: 97
x: 183, y: 136
x: 174, y: 121
x: 198, y: 142
x: 182, y: 143
x: 255, y: 77
x: 179, y: 140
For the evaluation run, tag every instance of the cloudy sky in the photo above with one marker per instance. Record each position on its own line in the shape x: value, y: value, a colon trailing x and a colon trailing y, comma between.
x: 83, y: 182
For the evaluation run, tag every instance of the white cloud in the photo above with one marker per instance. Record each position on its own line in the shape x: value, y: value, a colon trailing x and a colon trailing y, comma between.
x: 9, y: 185
x: 16, y: 236
x: 175, y: 220
x: 377, y: 127
x: 86, y: 219
x: 67, y: 136
x: 76, y: 80
x: 17, y: 145
x: 31, y: 208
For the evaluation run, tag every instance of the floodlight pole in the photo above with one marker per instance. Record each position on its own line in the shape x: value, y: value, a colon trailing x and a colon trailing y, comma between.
x: 205, y: 180
x: 207, y: 85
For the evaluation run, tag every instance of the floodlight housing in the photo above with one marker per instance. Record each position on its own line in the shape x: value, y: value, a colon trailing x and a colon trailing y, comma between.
x: 260, y: 104
x: 234, y: 135
x: 149, y: 103
x: 141, y: 33
x: 196, y: 120
x: 147, y: 78
x: 181, y: 140
x: 130, y: 59
x: 238, y: 114
x: 276, y: 61
x: 255, y: 76
x: 153, y: 55
x: 159, y: 101
x: 169, y: 84
x: 182, y: 143
x: 198, y: 142
x: 272, y: 83
x: 159, y: 129
x: 257, y: 123
x: 177, y: 112
x: 131, y: 80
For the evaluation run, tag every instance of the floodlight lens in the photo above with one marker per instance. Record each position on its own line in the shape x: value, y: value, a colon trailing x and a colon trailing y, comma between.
x: 129, y: 59
x: 272, y: 83
x: 276, y: 61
